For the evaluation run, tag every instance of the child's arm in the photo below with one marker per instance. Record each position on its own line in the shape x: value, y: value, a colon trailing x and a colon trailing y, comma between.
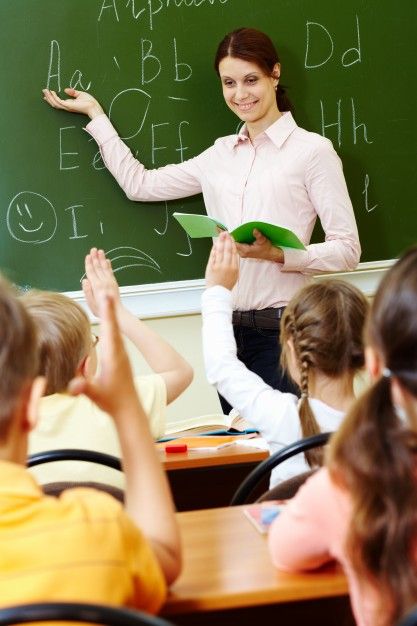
x: 148, y: 498
x: 158, y: 353
x: 301, y: 537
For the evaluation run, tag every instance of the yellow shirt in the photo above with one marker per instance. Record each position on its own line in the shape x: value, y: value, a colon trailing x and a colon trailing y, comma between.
x: 79, y: 547
x: 76, y: 422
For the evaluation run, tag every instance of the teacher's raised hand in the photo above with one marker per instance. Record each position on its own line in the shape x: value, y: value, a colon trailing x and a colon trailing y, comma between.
x: 78, y: 102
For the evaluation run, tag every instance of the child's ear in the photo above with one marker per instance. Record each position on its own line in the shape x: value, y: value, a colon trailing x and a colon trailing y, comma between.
x: 291, y: 350
x: 37, y: 390
x: 374, y: 363
x: 82, y: 369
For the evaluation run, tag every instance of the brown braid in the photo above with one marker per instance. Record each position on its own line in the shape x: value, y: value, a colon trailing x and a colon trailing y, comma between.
x: 325, y: 323
x: 304, y: 351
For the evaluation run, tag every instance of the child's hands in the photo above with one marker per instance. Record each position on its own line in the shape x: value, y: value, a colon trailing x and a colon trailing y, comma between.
x: 112, y: 389
x: 99, y: 280
x: 223, y: 264
x: 79, y: 102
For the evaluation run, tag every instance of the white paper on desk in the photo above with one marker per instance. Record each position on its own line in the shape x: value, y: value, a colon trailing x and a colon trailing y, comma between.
x: 256, y: 442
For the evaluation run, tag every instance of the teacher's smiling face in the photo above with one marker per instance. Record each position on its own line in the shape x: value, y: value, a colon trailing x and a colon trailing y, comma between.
x: 249, y: 92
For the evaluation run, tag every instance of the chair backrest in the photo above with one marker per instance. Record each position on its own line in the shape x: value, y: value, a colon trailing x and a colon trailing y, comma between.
x: 69, y: 454
x: 243, y: 492
x: 287, y: 488
x: 410, y: 619
x: 77, y: 612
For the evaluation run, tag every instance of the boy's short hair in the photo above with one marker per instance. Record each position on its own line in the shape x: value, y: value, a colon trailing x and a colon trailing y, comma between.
x: 64, y: 336
x: 18, y: 353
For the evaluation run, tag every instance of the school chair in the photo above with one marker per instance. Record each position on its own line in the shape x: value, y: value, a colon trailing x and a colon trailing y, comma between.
x: 77, y: 612
x: 410, y: 619
x: 245, y: 489
x: 91, y: 456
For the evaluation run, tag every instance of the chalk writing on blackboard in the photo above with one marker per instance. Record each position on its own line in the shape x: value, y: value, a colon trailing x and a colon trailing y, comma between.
x: 124, y: 257
x: 148, y: 9
x: 343, y: 118
x: 31, y: 218
x: 365, y: 193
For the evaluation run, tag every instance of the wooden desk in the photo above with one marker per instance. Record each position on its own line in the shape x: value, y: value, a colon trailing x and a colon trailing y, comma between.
x: 228, y: 578
x: 208, y: 479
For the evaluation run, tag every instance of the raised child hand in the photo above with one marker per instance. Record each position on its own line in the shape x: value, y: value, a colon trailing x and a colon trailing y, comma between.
x: 112, y: 389
x: 79, y: 102
x: 99, y: 280
x: 223, y: 264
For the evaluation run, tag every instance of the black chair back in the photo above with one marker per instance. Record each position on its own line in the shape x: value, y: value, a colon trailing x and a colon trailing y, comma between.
x: 77, y: 612
x: 70, y: 454
x: 74, y: 454
x: 243, y: 492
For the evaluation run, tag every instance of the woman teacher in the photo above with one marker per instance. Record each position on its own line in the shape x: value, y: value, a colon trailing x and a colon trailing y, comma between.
x: 272, y: 170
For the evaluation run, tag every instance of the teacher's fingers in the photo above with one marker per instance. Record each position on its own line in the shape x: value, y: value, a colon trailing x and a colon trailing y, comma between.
x: 259, y: 237
x: 53, y: 100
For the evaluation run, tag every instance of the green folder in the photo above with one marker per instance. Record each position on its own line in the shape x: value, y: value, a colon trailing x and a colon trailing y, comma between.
x: 204, y: 226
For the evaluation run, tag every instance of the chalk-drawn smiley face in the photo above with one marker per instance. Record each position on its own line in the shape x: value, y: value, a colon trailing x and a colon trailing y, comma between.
x: 31, y: 218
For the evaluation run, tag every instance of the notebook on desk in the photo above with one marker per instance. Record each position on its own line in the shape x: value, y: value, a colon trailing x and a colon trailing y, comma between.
x: 205, y: 442
x: 208, y: 425
x: 262, y: 514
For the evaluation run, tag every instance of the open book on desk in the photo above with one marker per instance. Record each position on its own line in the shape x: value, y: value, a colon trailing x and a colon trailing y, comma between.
x: 208, y: 425
x: 204, y: 226
x: 203, y: 443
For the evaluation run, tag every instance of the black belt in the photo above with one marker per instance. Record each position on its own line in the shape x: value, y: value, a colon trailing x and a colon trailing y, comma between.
x: 263, y: 318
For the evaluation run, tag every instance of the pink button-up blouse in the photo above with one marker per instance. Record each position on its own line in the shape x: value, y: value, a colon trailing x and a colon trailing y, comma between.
x: 287, y: 176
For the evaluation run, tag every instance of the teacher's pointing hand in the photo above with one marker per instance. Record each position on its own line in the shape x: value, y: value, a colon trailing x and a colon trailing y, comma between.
x: 79, y: 102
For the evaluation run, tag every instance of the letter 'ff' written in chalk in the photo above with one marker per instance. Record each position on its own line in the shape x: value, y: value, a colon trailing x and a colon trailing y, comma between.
x: 320, y: 46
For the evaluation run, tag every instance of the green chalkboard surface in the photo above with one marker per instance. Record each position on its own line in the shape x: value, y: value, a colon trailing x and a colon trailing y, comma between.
x: 349, y: 66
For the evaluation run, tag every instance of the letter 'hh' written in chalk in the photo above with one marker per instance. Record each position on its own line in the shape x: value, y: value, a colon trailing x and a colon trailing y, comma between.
x: 320, y: 47
x: 359, y: 129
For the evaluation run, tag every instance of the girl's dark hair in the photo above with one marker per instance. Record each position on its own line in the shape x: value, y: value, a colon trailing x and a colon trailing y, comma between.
x: 325, y: 321
x: 373, y: 454
x: 252, y: 45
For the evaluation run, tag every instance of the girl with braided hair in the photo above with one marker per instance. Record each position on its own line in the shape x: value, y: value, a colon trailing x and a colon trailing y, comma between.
x: 362, y: 508
x: 321, y: 338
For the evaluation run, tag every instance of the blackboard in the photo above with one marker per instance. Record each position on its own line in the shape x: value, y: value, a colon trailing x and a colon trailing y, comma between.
x: 349, y: 67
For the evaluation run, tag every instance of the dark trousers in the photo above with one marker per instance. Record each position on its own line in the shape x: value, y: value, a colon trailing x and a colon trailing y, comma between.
x: 259, y: 349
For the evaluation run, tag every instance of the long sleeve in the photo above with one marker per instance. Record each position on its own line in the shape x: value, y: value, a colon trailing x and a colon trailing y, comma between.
x: 165, y: 183
x: 272, y: 412
x: 326, y: 187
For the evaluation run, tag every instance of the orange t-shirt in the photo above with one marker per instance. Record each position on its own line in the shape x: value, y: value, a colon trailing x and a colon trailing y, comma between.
x: 80, y: 547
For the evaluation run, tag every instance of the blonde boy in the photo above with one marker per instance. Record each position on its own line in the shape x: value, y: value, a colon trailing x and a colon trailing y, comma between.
x: 82, y: 546
x: 67, y: 348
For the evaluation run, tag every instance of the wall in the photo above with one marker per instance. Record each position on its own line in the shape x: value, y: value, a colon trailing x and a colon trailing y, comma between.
x: 184, y: 333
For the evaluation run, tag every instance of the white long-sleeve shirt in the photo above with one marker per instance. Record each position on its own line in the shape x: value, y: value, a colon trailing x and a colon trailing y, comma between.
x: 272, y: 412
x: 287, y: 176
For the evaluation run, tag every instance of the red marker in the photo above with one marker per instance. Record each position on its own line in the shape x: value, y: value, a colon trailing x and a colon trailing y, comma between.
x: 176, y: 447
